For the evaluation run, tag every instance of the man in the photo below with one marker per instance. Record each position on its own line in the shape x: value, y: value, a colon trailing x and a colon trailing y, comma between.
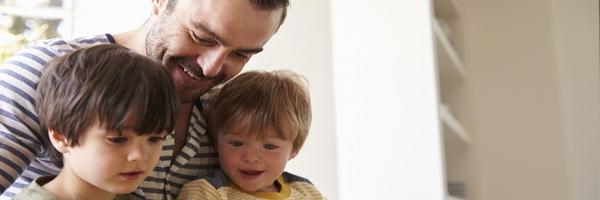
x: 201, y: 42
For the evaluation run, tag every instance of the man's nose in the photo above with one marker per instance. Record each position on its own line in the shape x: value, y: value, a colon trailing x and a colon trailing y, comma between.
x: 212, y: 61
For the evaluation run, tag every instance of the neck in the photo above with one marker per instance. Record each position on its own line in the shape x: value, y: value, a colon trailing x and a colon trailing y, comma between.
x: 134, y: 40
x: 68, y: 185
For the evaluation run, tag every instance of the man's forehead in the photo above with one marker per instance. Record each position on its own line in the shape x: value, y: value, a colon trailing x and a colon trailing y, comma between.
x: 235, y: 22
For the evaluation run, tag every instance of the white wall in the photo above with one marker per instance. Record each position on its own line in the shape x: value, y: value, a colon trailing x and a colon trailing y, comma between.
x: 109, y: 16
x: 389, y: 145
x: 576, y: 40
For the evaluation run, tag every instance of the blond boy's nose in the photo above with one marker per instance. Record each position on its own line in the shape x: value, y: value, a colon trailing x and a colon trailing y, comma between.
x: 251, y: 157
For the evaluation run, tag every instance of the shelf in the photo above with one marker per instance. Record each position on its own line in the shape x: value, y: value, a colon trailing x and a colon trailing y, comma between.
x: 447, y: 9
x: 454, y: 132
x: 36, y: 12
x: 449, y: 64
x: 450, y: 197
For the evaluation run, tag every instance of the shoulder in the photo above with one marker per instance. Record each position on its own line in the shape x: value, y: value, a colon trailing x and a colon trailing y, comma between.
x: 35, y: 190
x: 196, y: 190
x: 218, y: 179
x: 290, y: 178
x: 33, y: 57
x: 205, y: 188
x: 301, y: 188
x: 62, y: 46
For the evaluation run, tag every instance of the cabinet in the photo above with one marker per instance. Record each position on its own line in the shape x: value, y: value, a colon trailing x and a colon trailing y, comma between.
x: 451, y: 76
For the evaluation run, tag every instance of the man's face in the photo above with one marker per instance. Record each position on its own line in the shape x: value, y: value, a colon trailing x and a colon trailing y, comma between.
x: 206, y: 42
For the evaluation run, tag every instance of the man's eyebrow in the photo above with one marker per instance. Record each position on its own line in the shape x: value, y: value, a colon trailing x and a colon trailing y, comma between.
x: 251, y: 51
x: 201, y: 27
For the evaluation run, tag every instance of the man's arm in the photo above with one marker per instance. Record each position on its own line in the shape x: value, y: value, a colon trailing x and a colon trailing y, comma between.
x: 20, y: 137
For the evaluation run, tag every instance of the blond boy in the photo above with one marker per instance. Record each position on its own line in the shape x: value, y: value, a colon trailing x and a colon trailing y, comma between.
x: 259, y: 121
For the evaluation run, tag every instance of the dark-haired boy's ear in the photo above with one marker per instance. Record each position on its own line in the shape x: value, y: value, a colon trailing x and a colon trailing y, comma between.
x: 59, y: 141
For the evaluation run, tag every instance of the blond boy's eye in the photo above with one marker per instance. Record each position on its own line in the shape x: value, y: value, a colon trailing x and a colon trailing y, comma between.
x: 270, y: 146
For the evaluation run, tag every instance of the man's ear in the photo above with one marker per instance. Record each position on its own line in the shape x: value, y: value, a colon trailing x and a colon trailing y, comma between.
x: 59, y: 141
x: 158, y: 6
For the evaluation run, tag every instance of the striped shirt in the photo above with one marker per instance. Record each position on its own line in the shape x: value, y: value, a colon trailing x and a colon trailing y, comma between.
x: 22, y: 150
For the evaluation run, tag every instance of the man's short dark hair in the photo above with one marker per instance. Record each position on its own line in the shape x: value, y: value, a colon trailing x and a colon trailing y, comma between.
x: 106, y: 84
x: 259, y: 4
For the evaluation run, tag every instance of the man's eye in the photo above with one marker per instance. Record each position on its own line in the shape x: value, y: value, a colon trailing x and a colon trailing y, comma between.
x: 117, y: 140
x: 243, y: 56
x: 200, y: 40
x: 236, y: 143
x: 270, y: 146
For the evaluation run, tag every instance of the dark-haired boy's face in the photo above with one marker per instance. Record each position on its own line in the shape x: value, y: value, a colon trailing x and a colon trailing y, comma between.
x: 206, y: 42
x: 111, y: 161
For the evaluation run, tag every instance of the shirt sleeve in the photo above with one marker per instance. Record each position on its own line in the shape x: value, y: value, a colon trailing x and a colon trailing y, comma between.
x: 20, y: 136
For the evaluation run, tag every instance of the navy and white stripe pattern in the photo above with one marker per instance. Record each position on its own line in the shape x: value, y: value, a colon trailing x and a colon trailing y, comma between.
x: 197, y: 159
x: 22, y: 156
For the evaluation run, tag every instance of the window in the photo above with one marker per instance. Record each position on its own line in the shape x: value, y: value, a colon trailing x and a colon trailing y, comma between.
x: 22, y: 21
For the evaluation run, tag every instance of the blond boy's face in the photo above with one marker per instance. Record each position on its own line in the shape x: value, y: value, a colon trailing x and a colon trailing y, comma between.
x: 112, y: 162
x: 251, y: 163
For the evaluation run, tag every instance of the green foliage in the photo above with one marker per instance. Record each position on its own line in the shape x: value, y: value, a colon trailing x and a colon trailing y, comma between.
x: 12, y: 38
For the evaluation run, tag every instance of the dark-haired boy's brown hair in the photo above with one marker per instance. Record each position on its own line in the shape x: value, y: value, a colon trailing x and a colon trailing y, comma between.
x: 106, y: 84
x: 276, y: 100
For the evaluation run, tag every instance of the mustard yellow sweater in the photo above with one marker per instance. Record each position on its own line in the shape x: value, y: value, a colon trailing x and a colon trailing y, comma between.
x: 219, y: 187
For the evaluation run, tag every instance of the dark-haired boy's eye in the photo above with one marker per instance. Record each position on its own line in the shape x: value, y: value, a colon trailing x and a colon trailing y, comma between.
x: 270, y: 146
x: 236, y: 143
x: 157, y: 139
x: 117, y: 140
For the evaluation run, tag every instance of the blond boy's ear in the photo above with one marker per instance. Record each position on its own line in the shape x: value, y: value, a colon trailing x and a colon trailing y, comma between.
x: 293, y: 154
x: 58, y: 140
x: 158, y: 6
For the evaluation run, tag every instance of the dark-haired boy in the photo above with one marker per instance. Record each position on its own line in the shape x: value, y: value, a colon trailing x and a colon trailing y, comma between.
x: 106, y: 110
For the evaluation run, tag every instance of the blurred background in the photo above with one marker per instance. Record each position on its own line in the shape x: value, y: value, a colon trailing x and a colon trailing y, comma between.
x: 440, y: 99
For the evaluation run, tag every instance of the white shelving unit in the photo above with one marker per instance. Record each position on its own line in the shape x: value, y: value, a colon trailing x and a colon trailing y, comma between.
x: 451, y: 74
x: 447, y: 9
x: 450, y: 65
x: 453, y: 129
x: 450, y: 197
